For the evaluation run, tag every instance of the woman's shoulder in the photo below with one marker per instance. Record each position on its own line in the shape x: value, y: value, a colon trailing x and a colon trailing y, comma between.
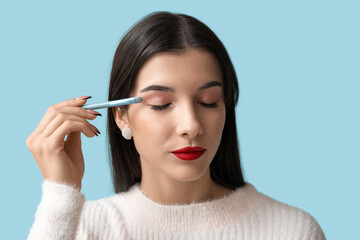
x: 270, y: 206
x: 267, y: 211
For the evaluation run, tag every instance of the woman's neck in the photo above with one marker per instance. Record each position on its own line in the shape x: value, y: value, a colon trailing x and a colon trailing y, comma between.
x: 170, y: 191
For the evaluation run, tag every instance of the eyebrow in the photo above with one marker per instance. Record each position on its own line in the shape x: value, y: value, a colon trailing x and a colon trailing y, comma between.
x: 167, y: 89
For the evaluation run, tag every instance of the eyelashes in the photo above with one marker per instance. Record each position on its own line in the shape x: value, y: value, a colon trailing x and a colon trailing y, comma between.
x: 160, y: 107
x: 209, y: 105
x: 163, y: 107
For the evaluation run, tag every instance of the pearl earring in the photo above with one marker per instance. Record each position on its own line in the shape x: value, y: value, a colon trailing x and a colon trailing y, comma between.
x: 126, y: 132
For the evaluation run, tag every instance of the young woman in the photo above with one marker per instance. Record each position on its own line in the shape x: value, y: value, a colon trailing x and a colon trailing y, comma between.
x: 175, y: 158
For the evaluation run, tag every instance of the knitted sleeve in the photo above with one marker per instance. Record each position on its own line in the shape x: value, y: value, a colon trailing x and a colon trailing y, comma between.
x: 301, y: 225
x: 313, y: 229
x: 58, y: 213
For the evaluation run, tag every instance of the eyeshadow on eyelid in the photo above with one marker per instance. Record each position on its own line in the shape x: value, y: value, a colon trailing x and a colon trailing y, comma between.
x: 161, y: 98
x: 210, y: 96
x: 155, y: 102
x: 155, y: 99
x: 209, y: 100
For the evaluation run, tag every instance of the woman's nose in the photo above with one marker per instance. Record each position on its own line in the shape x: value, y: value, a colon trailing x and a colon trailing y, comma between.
x: 189, y: 123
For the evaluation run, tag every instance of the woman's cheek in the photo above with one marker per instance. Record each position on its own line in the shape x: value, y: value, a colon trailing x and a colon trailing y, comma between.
x: 152, y: 122
x: 218, y: 119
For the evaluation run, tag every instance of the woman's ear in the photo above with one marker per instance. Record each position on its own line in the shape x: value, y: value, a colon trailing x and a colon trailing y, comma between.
x: 120, y: 117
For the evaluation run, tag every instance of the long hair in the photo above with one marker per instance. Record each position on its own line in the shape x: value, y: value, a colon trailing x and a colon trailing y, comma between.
x: 168, y: 32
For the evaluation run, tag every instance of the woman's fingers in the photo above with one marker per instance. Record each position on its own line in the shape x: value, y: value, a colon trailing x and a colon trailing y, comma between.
x: 59, y: 159
x: 74, y: 138
x: 57, y: 109
x: 56, y: 139
x: 60, y: 119
x: 74, y: 102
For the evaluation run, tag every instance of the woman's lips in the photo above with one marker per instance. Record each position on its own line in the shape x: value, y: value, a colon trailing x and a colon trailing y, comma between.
x: 189, y: 153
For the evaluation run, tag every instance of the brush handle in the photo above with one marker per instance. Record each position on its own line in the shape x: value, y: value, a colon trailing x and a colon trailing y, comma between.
x: 114, y: 103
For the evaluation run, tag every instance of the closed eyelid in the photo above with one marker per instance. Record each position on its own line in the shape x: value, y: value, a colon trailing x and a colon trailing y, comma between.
x: 156, y: 98
x: 211, y: 95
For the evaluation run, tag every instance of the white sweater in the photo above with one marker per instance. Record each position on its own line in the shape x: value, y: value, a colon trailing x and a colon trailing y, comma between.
x: 245, y: 214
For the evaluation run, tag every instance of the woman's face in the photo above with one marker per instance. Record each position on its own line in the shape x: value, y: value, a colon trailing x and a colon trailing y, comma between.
x: 183, y: 106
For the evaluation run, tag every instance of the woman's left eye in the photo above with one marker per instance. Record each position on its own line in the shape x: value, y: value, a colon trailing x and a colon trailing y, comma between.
x: 163, y: 107
x: 209, y: 105
x: 160, y: 107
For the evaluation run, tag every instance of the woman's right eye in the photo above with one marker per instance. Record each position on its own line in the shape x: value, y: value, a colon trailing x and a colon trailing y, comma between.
x: 160, y: 107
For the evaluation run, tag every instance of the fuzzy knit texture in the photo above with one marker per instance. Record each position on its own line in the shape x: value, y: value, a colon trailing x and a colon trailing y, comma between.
x: 63, y: 213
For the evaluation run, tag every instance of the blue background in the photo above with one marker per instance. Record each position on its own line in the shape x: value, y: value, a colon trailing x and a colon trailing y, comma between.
x: 298, y: 116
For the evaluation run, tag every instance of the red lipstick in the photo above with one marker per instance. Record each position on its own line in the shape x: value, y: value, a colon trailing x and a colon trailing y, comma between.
x: 189, y: 153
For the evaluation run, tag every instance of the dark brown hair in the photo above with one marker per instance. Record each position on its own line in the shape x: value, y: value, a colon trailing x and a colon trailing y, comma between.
x: 168, y: 32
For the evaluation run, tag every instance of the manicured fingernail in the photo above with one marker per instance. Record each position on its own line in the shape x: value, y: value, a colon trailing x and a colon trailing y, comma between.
x: 93, y: 112
x: 98, y: 132
x: 83, y: 98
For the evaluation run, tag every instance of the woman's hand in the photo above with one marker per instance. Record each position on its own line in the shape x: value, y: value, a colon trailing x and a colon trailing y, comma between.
x: 62, y: 160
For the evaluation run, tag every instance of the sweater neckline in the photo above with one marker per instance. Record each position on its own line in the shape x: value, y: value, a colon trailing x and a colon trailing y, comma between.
x: 208, y: 215
x: 137, y: 186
